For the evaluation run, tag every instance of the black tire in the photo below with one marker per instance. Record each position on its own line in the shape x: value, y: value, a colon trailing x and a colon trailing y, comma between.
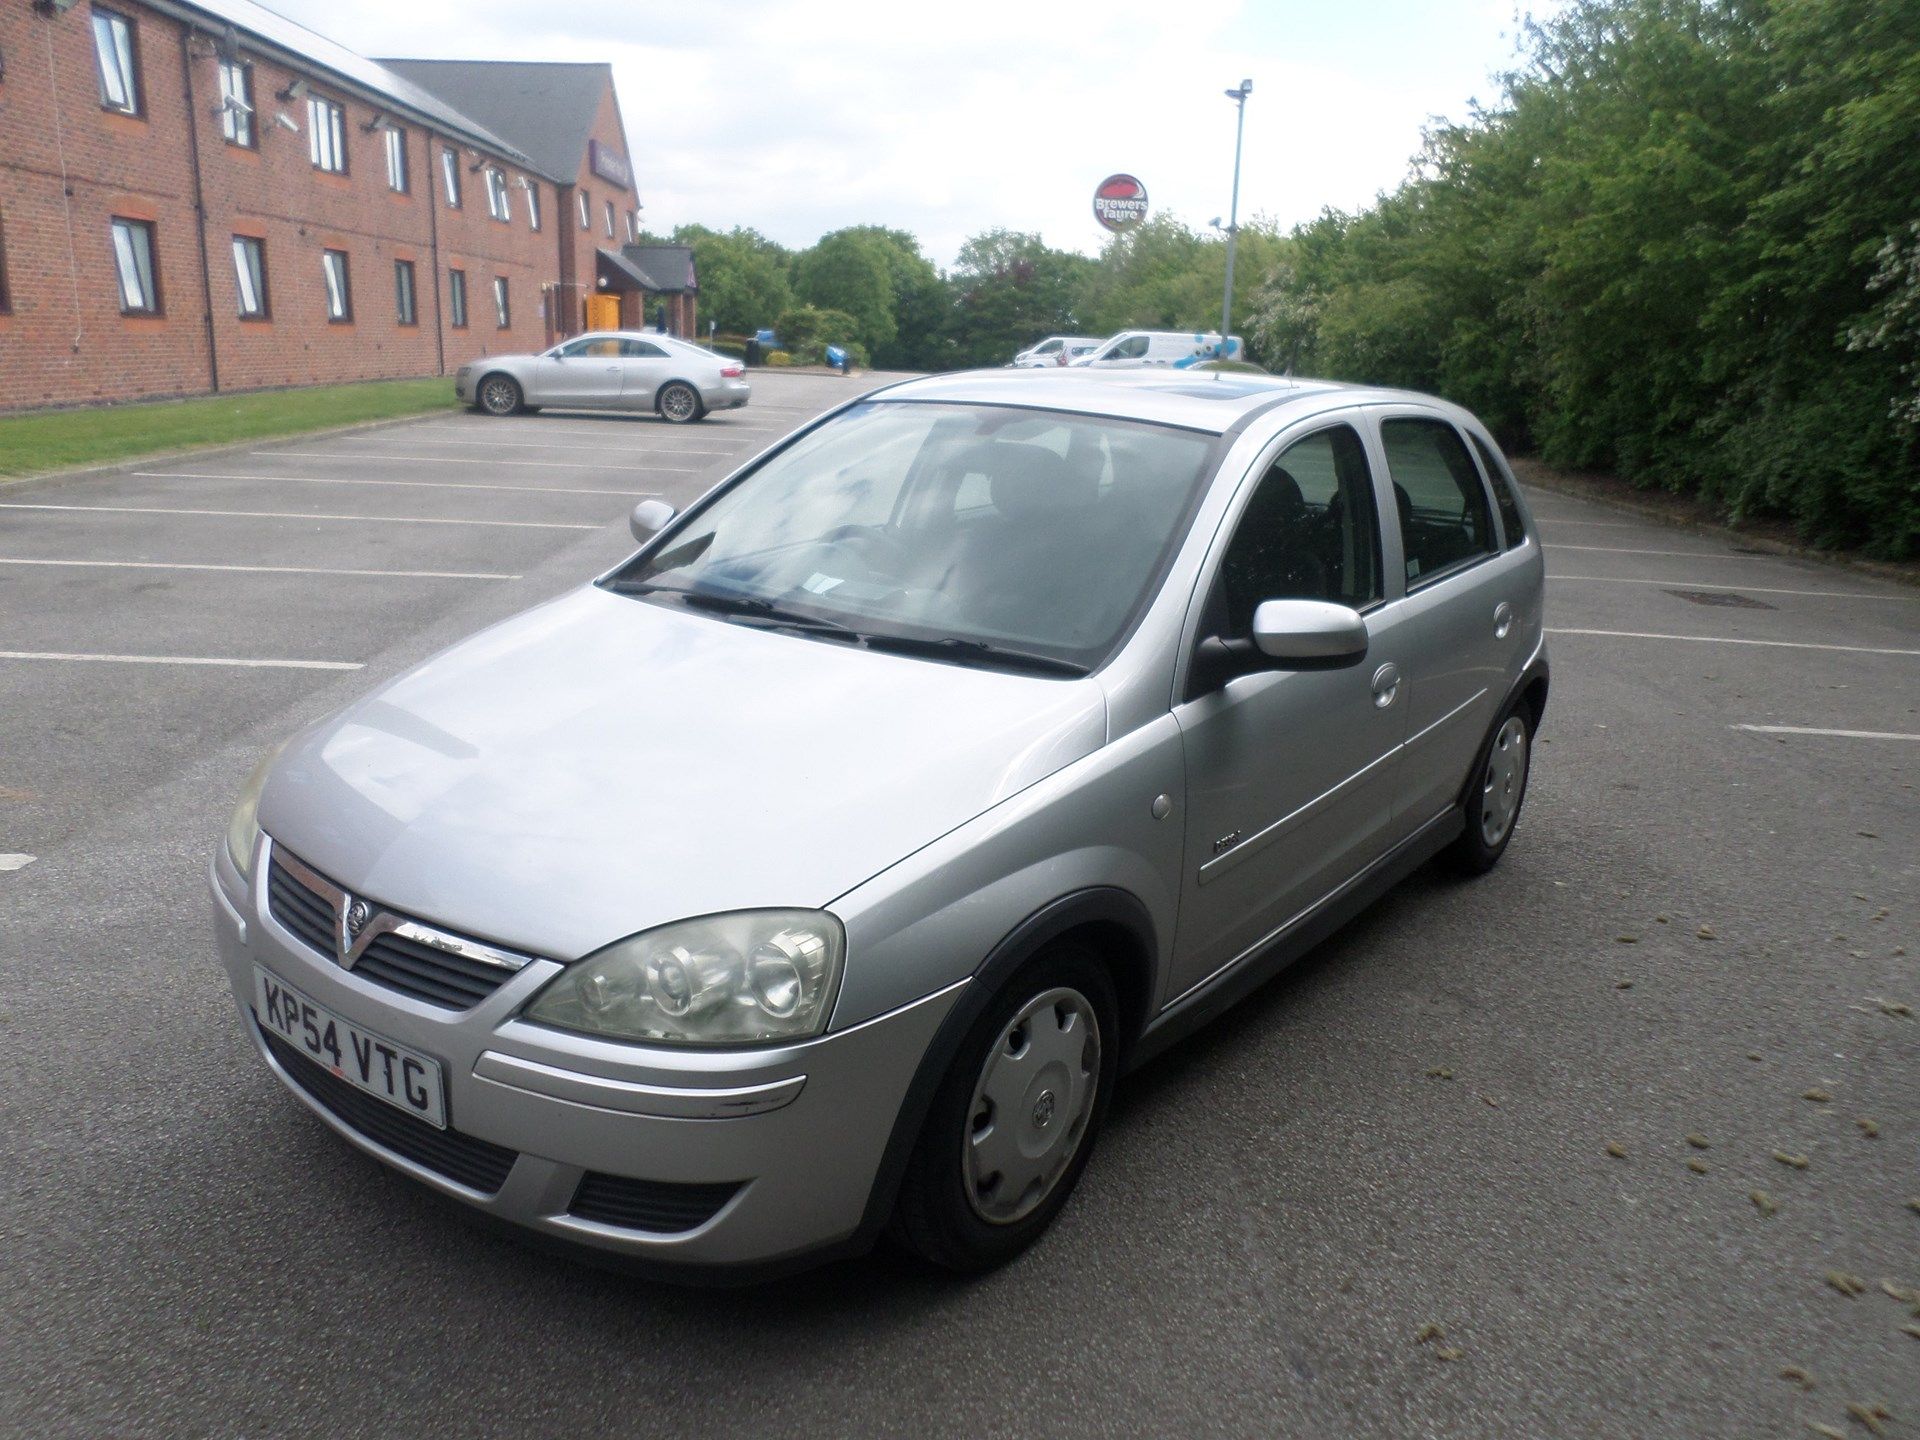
x: 500, y: 394
x: 937, y: 1215
x: 1495, y: 790
x: 679, y: 403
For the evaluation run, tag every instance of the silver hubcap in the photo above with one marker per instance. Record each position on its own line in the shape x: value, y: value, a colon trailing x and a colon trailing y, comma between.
x: 498, y: 396
x: 677, y: 403
x: 1031, y: 1105
x: 1505, y: 783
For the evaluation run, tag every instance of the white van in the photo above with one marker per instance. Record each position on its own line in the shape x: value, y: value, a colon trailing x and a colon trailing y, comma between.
x: 1179, y: 349
x: 1055, y: 350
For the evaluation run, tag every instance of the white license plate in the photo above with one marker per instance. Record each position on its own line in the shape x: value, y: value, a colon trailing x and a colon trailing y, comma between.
x: 403, y: 1078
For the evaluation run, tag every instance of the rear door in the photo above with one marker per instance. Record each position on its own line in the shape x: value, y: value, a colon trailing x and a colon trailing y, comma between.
x: 1459, y: 612
x: 1290, y: 773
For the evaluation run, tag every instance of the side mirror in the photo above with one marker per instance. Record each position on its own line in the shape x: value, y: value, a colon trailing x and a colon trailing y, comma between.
x: 1309, y: 633
x: 649, y: 518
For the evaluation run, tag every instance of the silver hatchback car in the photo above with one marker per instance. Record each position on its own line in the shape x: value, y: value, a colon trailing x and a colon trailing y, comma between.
x: 814, y: 874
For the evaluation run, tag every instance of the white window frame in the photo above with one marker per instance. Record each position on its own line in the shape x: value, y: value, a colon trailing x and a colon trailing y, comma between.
x: 395, y: 142
x: 339, y: 285
x: 586, y: 209
x: 250, y: 276
x: 533, y: 203
x: 135, y: 266
x: 610, y: 220
x: 450, y: 177
x: 456, y: 297
x: 117, y: 62
x: 409, y: 291
x: 499, y: 205
x: 236, y: 102
x: 502, y: 303
x: 327, y: 134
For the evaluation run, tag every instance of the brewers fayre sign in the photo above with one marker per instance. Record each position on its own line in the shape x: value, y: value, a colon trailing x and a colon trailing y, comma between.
x: 1120, y: 202
x: 609, y: 164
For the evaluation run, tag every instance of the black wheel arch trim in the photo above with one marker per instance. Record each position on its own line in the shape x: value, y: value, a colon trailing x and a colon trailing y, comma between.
x: 1097, y: 905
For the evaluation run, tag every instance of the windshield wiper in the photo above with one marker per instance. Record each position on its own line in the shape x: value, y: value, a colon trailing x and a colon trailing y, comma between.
x: 952, y: 647
x: 752, y: 607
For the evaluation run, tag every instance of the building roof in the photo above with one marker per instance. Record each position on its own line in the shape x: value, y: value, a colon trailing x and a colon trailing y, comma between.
x: 615, y: 266
x: 668, y: 268
x: 545, y: 108
x: 259, y: 27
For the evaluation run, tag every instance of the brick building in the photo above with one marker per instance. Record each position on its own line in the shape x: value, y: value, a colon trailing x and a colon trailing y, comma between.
x: 205, y: 196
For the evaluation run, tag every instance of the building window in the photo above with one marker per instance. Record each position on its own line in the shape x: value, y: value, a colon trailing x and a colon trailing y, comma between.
x: 586, y: 213
x: 250, y: 276
x: 236, y: 102
x: 326, y: 135
x: 450, y: 174
x: 609, y: 219
x: 113, y: 47
x: 339, y: 286
x: 6, y: 295
x: 133, y: 260
x: 497, y: 204
x: 500, y: 308
x: 533, y: 203
x: 457, y: 298
x: 396, y: 141
x: 403, y: 306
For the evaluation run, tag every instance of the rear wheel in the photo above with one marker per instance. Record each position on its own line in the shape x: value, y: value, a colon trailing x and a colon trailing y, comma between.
x: 1496, y: 794
x: 1012, y: 1125
x: 679, y: 402
x: 500, y: 395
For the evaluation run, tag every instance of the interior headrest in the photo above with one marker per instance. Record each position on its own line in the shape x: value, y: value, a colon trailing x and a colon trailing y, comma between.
x: 1025, y: 481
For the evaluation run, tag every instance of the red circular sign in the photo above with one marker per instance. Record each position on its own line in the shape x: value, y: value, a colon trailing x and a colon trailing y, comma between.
x: 1120, y: 202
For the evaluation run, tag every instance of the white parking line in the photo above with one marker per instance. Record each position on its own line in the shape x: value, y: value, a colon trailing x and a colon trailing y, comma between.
x: 302, y: 515
x: 409, y: 484
x: 548, y: 444
x: 1816, y: 730
x: 16, y: 861
x: 1742, y: 589
x: 266, y: 569
x: 1679, y: 554
x: 1730, y: 640
x: 185, y: 660
x: 462, y: 460
x: 1596, y: 524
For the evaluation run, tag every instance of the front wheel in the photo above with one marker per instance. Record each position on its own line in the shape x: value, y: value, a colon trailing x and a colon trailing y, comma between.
x: 679, y: 403
x: 1496, y: 794
x: 1013, y: 1123
x: 500, y: 395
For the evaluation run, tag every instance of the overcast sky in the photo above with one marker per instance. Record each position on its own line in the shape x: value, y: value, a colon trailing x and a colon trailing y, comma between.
x: 947, y: 117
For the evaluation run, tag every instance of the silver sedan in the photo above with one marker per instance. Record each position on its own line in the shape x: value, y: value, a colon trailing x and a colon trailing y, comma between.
x: 608, y: 370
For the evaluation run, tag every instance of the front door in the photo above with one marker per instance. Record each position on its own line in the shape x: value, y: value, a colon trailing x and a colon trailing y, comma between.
x: 584, y: 372
x: 1290, y: 774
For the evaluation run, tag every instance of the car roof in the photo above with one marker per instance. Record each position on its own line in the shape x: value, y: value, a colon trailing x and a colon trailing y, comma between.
x: 1214, y: 401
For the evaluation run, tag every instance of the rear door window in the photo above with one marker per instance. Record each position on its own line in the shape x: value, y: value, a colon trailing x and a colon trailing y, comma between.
x: 1445, y: 521
x: 1511, y: 522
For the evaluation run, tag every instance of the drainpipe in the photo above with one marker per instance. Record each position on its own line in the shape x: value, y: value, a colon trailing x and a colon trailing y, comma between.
x: 432, y: 179
x: 199, y: 207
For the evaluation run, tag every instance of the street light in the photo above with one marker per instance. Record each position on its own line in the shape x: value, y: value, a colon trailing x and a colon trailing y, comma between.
x: 1239, y: 97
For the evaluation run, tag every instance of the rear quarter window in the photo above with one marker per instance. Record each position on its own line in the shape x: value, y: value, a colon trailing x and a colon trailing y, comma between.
x: 1511, y: 520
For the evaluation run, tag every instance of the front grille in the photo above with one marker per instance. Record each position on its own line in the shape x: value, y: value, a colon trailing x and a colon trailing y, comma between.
x: 439, y: 977
x: 660, y: 1206
x: 306, y: 914
x: 477, y: 1164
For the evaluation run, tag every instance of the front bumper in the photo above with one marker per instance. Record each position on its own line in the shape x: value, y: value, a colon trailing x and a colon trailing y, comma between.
x: 788, y: 1140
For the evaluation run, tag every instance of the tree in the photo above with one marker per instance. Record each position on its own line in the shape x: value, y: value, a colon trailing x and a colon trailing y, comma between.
x: 1009, y: 290
x: 851, y: 271
x: 743, y: 277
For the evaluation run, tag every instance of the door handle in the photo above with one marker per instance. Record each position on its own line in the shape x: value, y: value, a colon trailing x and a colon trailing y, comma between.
x: 1502, y: 620
x: 1386, y: 685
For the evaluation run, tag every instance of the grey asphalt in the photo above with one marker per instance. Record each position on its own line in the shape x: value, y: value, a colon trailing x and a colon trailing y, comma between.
x: 1408, y: 1129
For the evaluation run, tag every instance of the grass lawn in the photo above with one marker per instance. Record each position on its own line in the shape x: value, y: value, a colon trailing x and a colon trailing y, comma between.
x: 62, y: 439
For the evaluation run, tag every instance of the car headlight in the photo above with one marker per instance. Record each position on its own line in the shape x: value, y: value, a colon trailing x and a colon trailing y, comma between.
x: 243, y: 830
x: 738, y: 979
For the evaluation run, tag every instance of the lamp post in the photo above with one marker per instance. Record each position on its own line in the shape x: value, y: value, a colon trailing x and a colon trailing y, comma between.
x: 1239, y: 97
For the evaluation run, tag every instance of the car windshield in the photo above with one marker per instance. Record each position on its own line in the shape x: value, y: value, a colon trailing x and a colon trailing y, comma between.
x: 979, y: 534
